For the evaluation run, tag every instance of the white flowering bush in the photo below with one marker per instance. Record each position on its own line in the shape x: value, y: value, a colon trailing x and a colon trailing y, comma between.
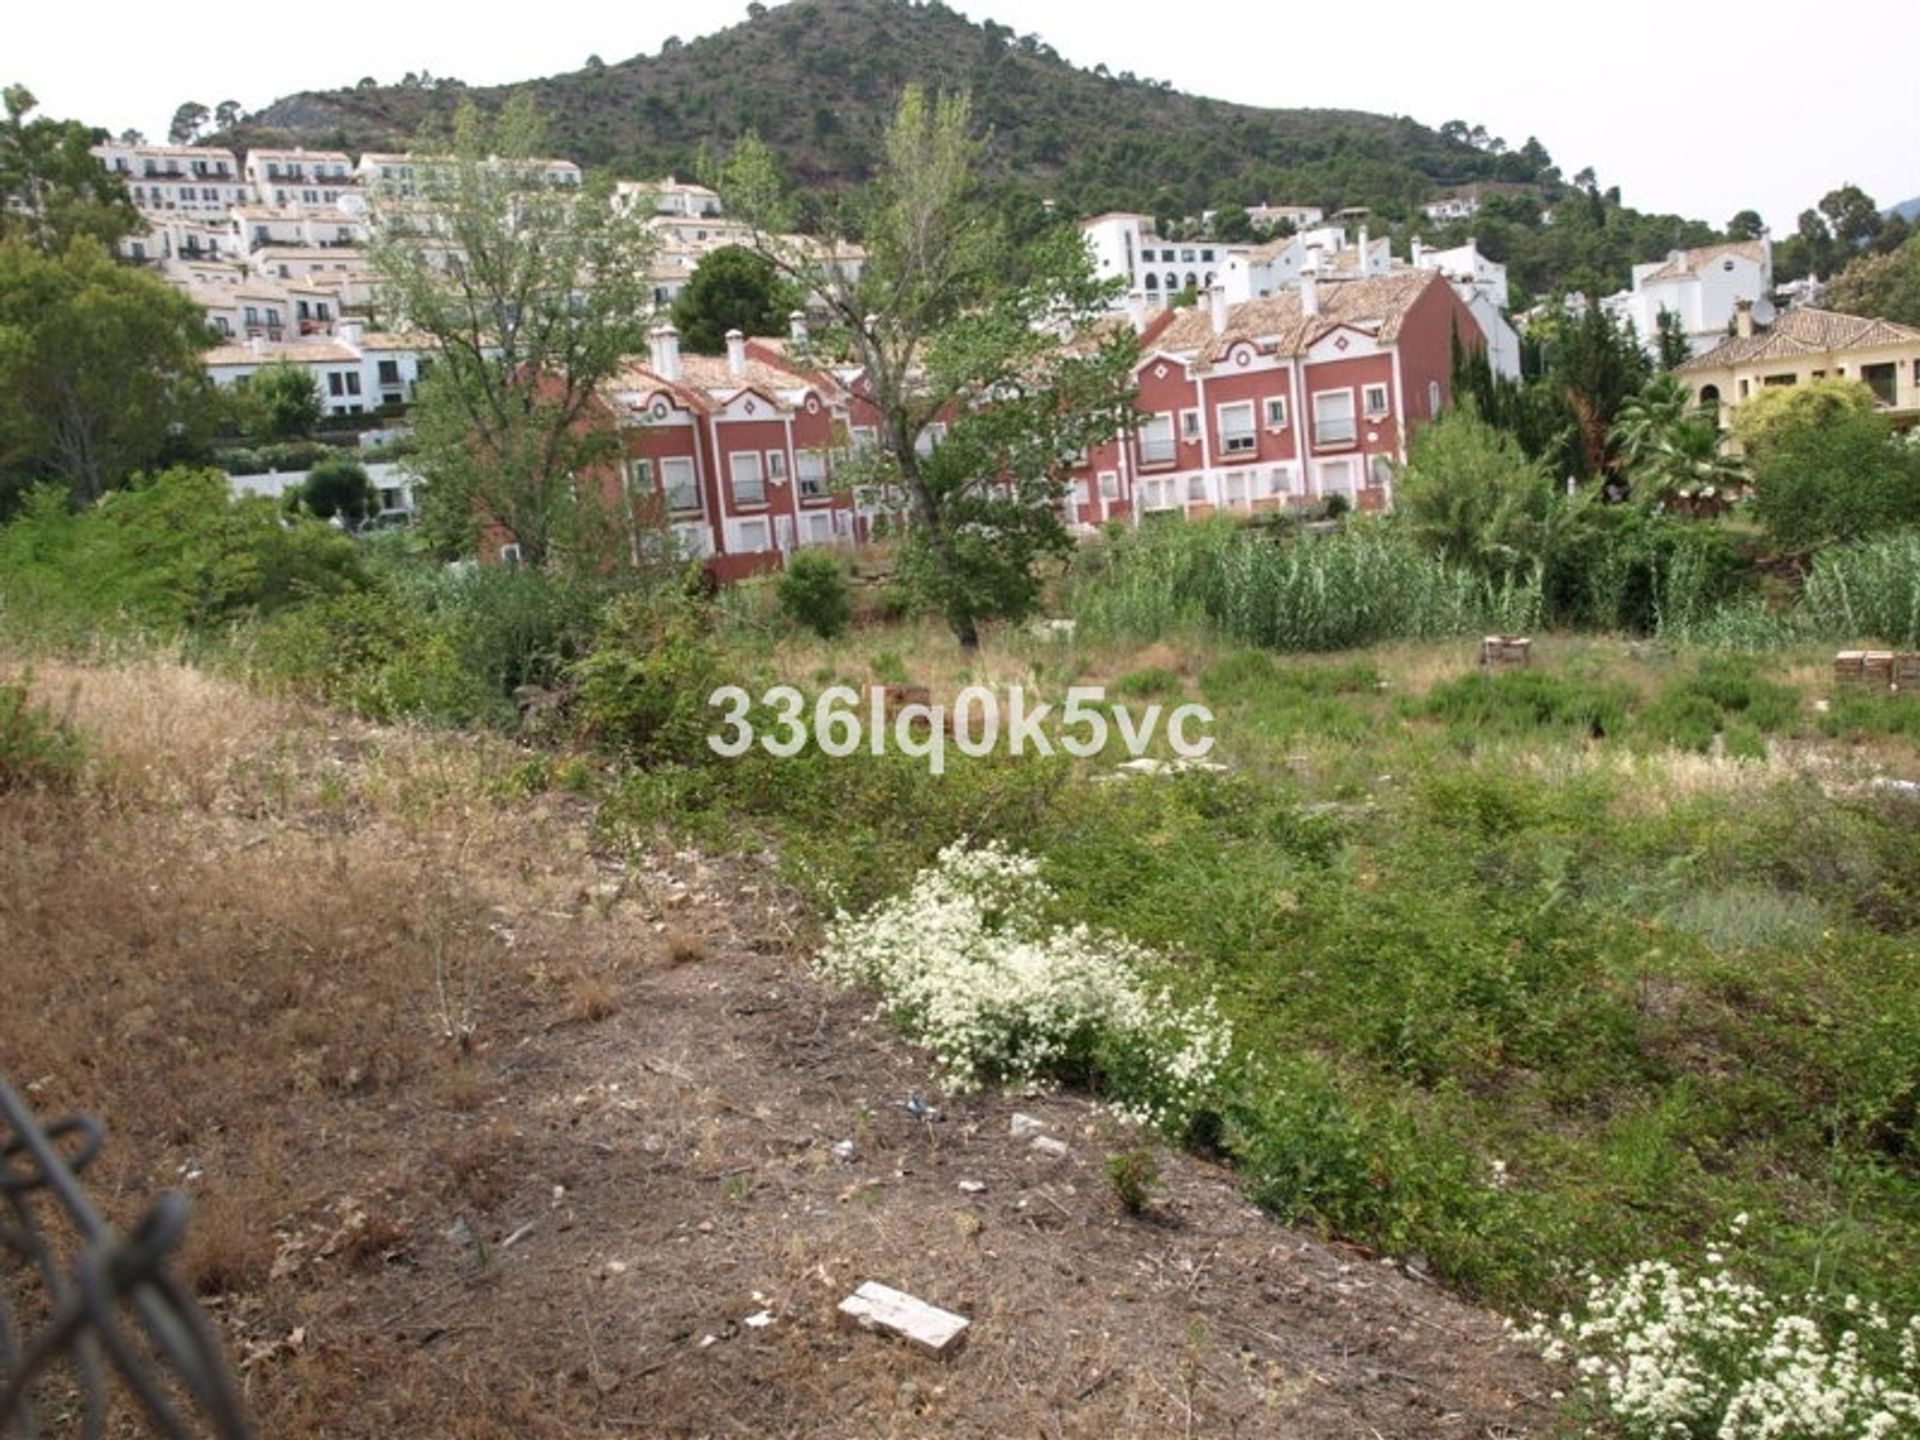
x: 1712, y: 1357
x: 967, y: 963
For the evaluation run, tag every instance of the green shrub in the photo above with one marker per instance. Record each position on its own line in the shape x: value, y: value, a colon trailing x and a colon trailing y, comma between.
x: 1519, y: 704
x: 1148, y: 684
x: 1868, y: 589
x: 1135, y: 1177
x: 39, y: 750
x: 645, y: 683
x: 1724, y: 695
x: 814, y: 592
x: 339, y: 486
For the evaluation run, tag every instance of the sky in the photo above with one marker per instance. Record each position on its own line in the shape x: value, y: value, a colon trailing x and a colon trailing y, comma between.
x: 1701, y: 110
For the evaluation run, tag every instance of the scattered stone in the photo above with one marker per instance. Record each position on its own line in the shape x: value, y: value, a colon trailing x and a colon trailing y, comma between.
x: 843, y: 1152
x: 1887, y: 785
x: 880, y: 1307
x: 759, y: 1321
x: 971, y: 1187
x: 1050, y: 1147
x: 1021, y: 1126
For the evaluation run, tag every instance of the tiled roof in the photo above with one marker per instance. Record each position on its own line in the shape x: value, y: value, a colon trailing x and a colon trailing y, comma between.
x: 1277, y: 322
x: 1692, y: 262
x: 301, y: 352
x: 1804, y: 331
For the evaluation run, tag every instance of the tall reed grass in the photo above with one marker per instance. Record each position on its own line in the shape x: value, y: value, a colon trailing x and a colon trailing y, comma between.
x: 1364, y: 583
x: 1870, y: 589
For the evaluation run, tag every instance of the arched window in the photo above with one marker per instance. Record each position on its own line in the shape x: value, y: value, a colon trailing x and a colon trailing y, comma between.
x: 1209, y: 280
x: 1710, y: 399
x: 1153, y: 282
x: 1193, y: 281
x: 1173, y: 281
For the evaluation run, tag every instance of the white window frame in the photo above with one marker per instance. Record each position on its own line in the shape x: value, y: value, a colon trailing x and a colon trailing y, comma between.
x: 1367, y: 396
x: 761, y: 525
x: 1189, y: 425
x: 777, y: 467
x: 640, y: 477
x: 1157, y: 443
x: 670, y: 466
x: 736, y: 483
x: 1109, y: 485
x: 810, y: 470
x: 1379, y: 471
x: 1237, y: 439
x: 1276, y: 412
x: 1197, y: 490
x: 1331, y: 430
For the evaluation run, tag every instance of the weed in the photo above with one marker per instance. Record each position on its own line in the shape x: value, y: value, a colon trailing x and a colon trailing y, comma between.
x: 1135, y: 1177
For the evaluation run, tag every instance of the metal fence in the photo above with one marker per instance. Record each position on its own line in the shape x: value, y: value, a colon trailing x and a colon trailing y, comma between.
x: 94, y: 1329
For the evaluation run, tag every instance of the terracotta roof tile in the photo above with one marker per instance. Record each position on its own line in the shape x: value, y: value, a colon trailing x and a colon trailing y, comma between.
x: 1804, y: 331
x: 1278, y: 324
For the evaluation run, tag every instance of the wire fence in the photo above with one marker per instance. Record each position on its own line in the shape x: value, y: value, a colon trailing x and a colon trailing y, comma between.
x: 94, y: 1329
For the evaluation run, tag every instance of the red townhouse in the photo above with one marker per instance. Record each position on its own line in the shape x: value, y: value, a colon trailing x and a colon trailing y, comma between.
x: 1279, y: 402
x: 741, y: 448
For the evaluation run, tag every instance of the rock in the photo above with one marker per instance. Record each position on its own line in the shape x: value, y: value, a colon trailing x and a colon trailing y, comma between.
x: 971, y: 1187
x: 1021, y: 1126
x: 843, y: 1152
x: 1050, y: 1147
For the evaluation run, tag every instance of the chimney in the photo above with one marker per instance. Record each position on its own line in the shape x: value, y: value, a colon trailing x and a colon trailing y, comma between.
x: 666, y: 351
x: 736, y: 353
x: 1418, y: 250
x: 1743, y: 319
x: 1217, y: 307
x: 1309, y: 293
x: 797, y: 331
x: 1365, y: 267
x: 1136, y: 311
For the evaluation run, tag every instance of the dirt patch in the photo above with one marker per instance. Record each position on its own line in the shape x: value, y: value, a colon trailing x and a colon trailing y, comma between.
x: 627, y: 1199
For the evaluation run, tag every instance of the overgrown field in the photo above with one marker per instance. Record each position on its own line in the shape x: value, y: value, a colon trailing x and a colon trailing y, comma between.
x: 1530, y: 973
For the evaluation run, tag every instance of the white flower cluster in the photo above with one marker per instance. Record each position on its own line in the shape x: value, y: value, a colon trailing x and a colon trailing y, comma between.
x: 968, y: 964
x: 1712, y: 1356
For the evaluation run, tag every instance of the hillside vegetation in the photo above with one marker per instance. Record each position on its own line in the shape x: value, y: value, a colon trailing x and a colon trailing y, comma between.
x: 817, y: 80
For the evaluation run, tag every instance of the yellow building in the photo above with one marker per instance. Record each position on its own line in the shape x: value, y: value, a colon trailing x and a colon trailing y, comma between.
x: 1804, y: 345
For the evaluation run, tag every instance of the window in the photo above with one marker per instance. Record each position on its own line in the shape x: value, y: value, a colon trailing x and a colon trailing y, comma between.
x: 1196, y: 489
x: 510, y: 556
x: 1156, y: 440
x: 353, y: 382
x: 749, y: 485
x: 1333, y: 418
x: 750, y: 536
x: 1109, y: 485
x: 1780, y: 381
x: 253, y: 315
x: 866, y: 439
x: 389, y: 372
x: 1153, y: 282
x: 1186, y: 257
x: 1375, y: 399
x: 1189, y: 424
x: 1277, y: 412
x: 1882, y: 380
x: 777, y: 466
x: 810, y: 467
x: 676, y: 478
x: 1279, y: 480
x: 1237, y: 435
x: 1382, y: 472
x: 336, y: 383
x: 640, y: 477
x: 1433, y: 397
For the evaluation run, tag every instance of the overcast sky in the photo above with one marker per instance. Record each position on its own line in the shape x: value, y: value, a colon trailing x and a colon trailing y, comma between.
x: 1699, y: 109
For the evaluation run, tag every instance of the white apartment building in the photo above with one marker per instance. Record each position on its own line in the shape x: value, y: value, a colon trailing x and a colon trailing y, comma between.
x: 1128, y: 245
x: 283, y: 179
x: 355, y: 372
x: 1704, y: 287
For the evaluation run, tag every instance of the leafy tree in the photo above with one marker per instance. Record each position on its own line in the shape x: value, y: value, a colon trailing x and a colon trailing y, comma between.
x: 227, y: 114
x: 1746, y: 225
x: 52, y: 189
x: 188, y: 121
x: 1533, y: 412
x: 814, y: 593
x: 534, y: 296
x: 1019, y: 370
x: 1780, y: 410
x: 282, y: 402
x: 100, y: 369
x: 339, y: 487
x: 1884, y: 286
x: 1826, y: 479
x: 1470, y: 492
x: 733, y: 288
x: 1852, y: 217
x: 1596, y: 362
x: 1671, y: 342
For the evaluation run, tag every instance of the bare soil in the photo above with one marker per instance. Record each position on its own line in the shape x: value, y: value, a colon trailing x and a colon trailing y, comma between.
x: 562, y: 1224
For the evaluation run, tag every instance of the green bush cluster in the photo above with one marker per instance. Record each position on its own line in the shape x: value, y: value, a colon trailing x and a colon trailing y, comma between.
x: 39, y: 748
x: 814, y: 593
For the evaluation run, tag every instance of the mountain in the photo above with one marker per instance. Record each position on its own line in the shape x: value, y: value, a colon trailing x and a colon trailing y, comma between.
x: 1908, y: 210
x: 817, y: 80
